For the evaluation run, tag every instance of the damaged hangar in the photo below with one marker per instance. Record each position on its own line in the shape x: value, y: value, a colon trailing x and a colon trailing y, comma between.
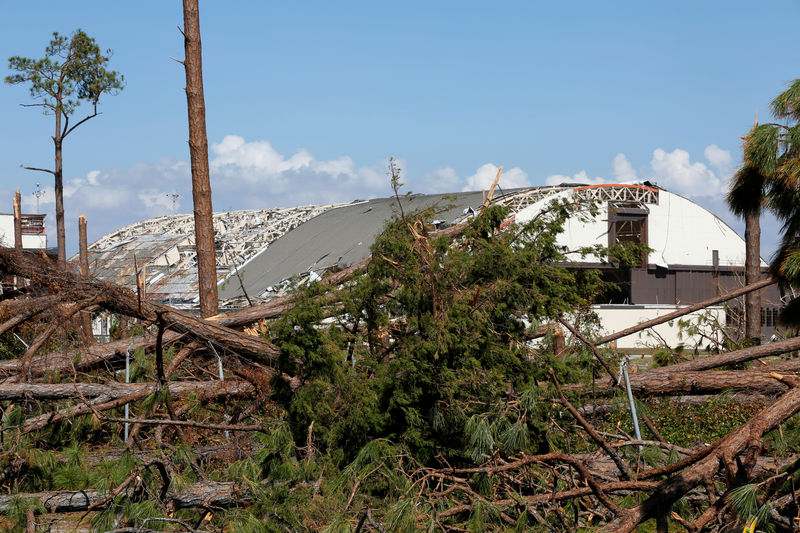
x: 694, y: 255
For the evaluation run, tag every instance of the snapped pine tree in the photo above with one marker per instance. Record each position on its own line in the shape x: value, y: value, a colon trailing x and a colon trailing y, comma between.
x: 198, y: 150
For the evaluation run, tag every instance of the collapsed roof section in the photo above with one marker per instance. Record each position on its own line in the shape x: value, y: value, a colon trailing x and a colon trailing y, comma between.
x: 337, y: 238
x: 163, y: 248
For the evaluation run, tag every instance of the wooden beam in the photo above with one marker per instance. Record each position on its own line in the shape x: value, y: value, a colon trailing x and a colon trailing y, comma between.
x: 489, y: 196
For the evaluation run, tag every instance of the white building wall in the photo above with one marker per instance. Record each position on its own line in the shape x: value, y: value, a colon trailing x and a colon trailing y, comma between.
x: 33, y: 241
x: 679, y: 231
x: 615, y: 318
x: 7, y: 230
x: 29, y: 241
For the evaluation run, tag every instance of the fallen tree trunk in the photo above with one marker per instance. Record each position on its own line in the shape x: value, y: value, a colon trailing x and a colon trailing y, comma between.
x: 25, y: 304
x: 25, y: 309
x: 765, y: 465
x: 82, y: 359
x: 208, y: 494
x: 69, y: 311
x: 249, y: 346
x: 735, y: 357
x: 72, y: 391
x: 737, y: 452
x: 119, y: 300
x: 229, y: 452
x: 688, y: 309
x: 229, y: 389
x: 651, y: 383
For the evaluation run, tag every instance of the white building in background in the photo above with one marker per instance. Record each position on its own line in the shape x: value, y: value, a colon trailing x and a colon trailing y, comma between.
x: 33, y: 231
x: 33, y: 238
x: 694, y: 256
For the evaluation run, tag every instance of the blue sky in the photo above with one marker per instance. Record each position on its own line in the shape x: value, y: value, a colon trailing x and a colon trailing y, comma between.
x: 307, y: 100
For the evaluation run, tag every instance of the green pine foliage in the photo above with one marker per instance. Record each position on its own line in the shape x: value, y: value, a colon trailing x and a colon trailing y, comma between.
x: 430, y: 342
x: 425, y: 357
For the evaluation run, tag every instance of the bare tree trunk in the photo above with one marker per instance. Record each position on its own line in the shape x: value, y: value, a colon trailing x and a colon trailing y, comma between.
x: 699, y: 382
x: 752, y: 273
x: 86, y: 316
x: 17, y: 223
x: 61, y: 234
x: 121, y: 301
x: 113, y: 390
x: 83, y: 359
x: 208, y: 494
x: 198, y: 147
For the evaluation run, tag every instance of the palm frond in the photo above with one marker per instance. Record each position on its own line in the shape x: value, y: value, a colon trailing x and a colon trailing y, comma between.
x: 787, y: 104
x: 747, y: 190
x: 763, y: 147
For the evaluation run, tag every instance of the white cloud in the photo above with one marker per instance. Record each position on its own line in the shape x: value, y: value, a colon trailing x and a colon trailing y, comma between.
x: 91, y: 177
x: 675, y: 171
x: 623, y: 170
x: 343, y: 166
x: 580, y: 177
x: 719, y: 158
x: 263, y: 176
x: 244, y: 175
x: 255, y: 161
x: 112, y: 198
x: 442, y: 179
x: 484, y: 177
x: 253, y: 174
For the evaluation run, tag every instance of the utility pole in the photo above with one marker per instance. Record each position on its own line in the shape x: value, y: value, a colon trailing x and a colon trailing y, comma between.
x: 173, y: 196
x: 38, y: 193
x: 198, y: 148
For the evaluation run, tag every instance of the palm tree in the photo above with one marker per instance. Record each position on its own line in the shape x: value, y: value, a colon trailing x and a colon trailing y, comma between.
x: 770, y: 178
x: 745, y: 199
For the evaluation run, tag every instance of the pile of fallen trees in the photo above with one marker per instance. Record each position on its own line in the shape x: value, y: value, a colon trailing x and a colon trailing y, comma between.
x: 181, y: 402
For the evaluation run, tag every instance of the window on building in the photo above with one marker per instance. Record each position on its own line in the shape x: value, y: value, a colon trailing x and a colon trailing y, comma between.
x: 733, y: 317
x: 769, y: 317
x: 628, y: 231
x: 627, y: 224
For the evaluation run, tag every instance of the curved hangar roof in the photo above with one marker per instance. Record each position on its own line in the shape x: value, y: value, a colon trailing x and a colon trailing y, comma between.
x: 679, y: 232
